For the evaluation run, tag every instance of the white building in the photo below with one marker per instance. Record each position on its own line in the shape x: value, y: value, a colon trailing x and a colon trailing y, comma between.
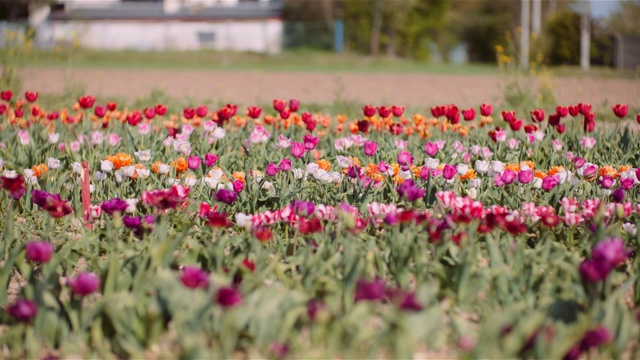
x: 166, y: 25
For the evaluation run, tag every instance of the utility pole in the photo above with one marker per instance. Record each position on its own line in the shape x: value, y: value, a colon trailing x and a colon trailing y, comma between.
x: 585, y: 35
x: 536, y: 24
x: 525, y: 17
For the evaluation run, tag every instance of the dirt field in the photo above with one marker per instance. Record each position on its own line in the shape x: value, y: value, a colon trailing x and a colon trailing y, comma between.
x: 253, y: 87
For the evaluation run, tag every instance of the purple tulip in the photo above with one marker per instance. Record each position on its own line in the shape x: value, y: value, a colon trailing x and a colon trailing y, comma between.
x: 194, y: 277
x: 84, y: 284
x: 312, y: 308
x: 132, y: 222
x: 272, y: 169
x: 617, y: 195
x: 114, y: 205
x: 23, y: 310
x: 228, y: 297
x: 370, y: 148
x: 627, y: 183
x: 449, y: 172
x: 578, y: 162
x: 590, y: 171
x: 39, y: 197
x: 310, y: 142
x: 525, y: 176
x: 383, y: 167
x: 194, y: 162
x: 409, y: 303
x: 226, y: 196
x: 508, y: 177
x: 594, y: 338
x: 431, y: 149
x: 497, y: 180
x: 210, y: 159
x: 39, y: 251
x: 424, y: 173
x: 369, y: 290
x: 285, y: 164
x: 297, y: 149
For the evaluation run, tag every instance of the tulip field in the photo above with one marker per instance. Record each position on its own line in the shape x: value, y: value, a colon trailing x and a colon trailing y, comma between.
x: 238, y: 231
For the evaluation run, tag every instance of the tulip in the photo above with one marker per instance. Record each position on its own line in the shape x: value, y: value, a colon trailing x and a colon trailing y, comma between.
x: 238, y: 186
x: 254, y: 112
x: 134, y: 118
x: 508, y: 116
x: 303, y: 208
x: 486, y: 109
x: 84, y: 284
x: 285, y: 113
x: 285, y: 164
x: 6, y: 95
x: 369, y: 110
x: 114, y: 205
x: 86, y: 102
x: 584, y: 109
x: 369, y: 290
x: 294, y: 105
x: 562, y: 111
x: 525, y: 176
x: 409, y: 303
x: 23, y: 310
x: 279, y: 105
x: 194, y: 278
x: 194, y: 162
x: 370, y: 148
x: 590, y: 171
x: 606, y: 182
x: 578, y: 162
x: 469, y: 114
x: 297, y: 149
x: 210, y: 159
x: 537, y: 115
x: 508, y: 177
x: 14, y: 186
x: 621, y: 110
x: 39, y: 251
x: 561, y: 128
x: 516, y: 125
x: 383, y: 167
x: 160, y: 109
x: 627, y: 184
x: 262, y: 233
x: 310, y: 142
x: 363, y: 126
x: 226, y: 196
x: 554, y: 119
x: 149, y: 113
x: 617, y: 195
x: 431, y: 148
x: 550, y: 182
x: 272, y: 169
x: 384, y: 111
x: 397, y: 110
x: 405, y: 158
x: 100, y: 111
x: 228, y: 297
x: 448, y: 172
x: 574, y: 110
x: 31, y: 96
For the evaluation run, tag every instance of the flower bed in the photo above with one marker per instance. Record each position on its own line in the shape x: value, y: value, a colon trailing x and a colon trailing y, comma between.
x: 257, y: 232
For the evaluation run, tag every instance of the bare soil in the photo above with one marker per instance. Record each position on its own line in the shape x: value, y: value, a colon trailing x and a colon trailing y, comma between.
x: 258, y: 87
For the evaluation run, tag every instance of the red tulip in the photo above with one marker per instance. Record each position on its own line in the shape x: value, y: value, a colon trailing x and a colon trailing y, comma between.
x: 202, y: 111
x: 574, y: 110
x: 14, y: 186
x: 397, y: 110
x: 111, y: 106
x: 3, y: 108
x: 554, y: 119
x: 149, y: 113
x: 19, y: 112
x: 537, y: 115
x: 6, y: 95
x: 254, y: 112
x: 486, y: 109
x: 589, y: 124
x: 285, y: 113
x: 294, y: 105
x: 384, y: 111
x: 31, y: 96
x: 516, y: 125
x: 396, y: 129
x: 369, y: 110
x: 189, y: 113
x: 100, y: 111
x: 134, y: 118
x: 452, y: 114
x: 160, y: 109
x: 621, y: 110
x: 262, y: 233
x: 54, y: 115
x: 279, y: 105
x: 508, y: 116
x: 35, y: 111
x: 562, y: 111
x: 530, y: 128
x: 469, y: 114
x: 584, y: 109
x: 86, y: 102
x: 638, y: 118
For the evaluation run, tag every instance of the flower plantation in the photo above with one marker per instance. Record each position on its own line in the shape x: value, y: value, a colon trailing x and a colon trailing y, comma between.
x: 274, y: 232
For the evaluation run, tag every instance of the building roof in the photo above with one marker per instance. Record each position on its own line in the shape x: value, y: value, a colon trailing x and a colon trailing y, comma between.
x: 155, y: 11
